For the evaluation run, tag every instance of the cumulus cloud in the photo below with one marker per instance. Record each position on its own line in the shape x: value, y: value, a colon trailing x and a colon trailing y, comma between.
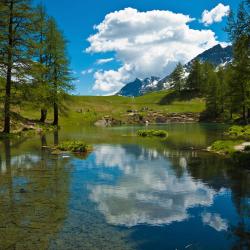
x: 215, y: 15
x: 214, y: 221
x: 146, y: 43
x: 104, y: 60
x: 145, y: 193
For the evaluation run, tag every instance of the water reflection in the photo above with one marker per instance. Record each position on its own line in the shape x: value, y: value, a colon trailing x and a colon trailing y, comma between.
x: 33, y: 198
x: 139, y: 194
x: 148, y: 190
x: 215, y: 221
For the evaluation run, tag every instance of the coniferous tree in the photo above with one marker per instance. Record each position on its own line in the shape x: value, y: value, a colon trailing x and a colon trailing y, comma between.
x: 239, y: 33
x: 40, y: 66
x: 59, y: 73
x: 177, y: 78
x: 195, y: 76
x: 15, y: 58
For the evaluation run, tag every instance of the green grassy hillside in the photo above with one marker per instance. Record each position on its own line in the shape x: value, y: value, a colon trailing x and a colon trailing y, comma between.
x: 88, y: 109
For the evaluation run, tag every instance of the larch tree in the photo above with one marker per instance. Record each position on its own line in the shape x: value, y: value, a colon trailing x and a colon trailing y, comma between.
x: 39, y: 72
x: 15, y: 43
x: 194, y: 79
x: 177, y: 78
x: 59, y: 75
x: 239, y: 32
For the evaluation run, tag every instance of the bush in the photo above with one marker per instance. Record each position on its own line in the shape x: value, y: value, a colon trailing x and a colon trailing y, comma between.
x: 152, y: 133
x: 247, y: 148
x: 239, y: 132
x: 74, y: 146
x: 225, y: 147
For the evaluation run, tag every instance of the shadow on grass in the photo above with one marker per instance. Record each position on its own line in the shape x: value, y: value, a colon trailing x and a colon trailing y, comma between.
x: 184, y: 95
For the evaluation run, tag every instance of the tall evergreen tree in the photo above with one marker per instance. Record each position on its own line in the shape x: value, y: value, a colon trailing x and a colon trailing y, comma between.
x: 194, y: 79
x: 15, y: 30
x: 239, y: 33
x: 177, y: 78
x: 59, y: 73
x: 39, y: 72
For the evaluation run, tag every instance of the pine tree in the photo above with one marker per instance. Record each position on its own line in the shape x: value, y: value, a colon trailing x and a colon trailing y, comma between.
x: 15, y: 30
x: 239, y: 33
x: 177, y: 78
x: 194, y: 79
x: 59, y: 73
x: 39, y: 71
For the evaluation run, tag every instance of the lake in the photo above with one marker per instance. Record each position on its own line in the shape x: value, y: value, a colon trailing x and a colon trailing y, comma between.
x: 129, y: 193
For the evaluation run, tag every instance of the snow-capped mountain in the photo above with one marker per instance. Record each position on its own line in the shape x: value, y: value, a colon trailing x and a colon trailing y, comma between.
x: 216, y: 55
x: 139, y: 87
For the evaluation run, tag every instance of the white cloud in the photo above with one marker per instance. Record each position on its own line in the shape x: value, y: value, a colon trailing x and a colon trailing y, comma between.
x: 145, y: 193
x: 104, y: 60
x: 146, y: 43
x: 215, y: 15
x: 87, y: 71
x: 112, y: 80
x: 214, y: 221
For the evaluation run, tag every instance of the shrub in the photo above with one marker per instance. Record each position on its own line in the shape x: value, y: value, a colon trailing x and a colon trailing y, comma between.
x: 225, y: 147
x: 239, y: 132
x: 235, y: 131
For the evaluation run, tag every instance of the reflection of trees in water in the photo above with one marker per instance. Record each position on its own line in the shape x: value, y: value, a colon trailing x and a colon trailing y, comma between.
x: 219, y: 173
x: 33, y: 199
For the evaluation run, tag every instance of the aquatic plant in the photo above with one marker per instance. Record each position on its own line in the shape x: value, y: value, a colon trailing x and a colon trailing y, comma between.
x: 152, y: 133
x: 74, y: 146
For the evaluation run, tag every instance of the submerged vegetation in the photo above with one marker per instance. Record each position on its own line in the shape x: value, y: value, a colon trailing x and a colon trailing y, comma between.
x: 152, y: 133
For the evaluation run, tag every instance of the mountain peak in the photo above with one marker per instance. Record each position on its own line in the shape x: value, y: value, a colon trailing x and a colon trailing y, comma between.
x: 217, y: 55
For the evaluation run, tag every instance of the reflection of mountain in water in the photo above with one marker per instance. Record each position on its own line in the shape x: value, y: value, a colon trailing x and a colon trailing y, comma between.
x: 148, y: 191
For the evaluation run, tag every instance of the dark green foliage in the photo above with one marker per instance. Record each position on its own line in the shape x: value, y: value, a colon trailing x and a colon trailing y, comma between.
x: 177, y: 78
x: 152, y: 133
x: 194, y: 80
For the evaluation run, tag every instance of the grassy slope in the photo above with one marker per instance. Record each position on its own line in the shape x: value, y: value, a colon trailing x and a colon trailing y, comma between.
x: 95, y: 107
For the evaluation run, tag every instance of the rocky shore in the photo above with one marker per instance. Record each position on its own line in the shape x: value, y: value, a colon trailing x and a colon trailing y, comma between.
x: 151, y: 117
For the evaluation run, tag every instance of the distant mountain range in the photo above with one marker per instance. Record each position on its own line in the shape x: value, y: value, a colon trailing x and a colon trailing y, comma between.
x: 216, y: 55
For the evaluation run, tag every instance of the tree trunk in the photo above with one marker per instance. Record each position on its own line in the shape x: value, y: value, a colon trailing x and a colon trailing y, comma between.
x: 248, y: 115
x: 9, y: 72
x: 244, y: 113
x: 7, y: 102
x: 55, y: 123
x: 43, y: 115
x: 56, y: 137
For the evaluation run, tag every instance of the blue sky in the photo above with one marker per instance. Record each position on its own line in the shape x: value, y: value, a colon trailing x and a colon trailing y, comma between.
x: 145, y: 45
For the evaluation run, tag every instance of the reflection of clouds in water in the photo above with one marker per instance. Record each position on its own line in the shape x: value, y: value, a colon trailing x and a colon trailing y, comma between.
x: 26, y: 161
x: 214, y: 221
x: 148, y: 191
